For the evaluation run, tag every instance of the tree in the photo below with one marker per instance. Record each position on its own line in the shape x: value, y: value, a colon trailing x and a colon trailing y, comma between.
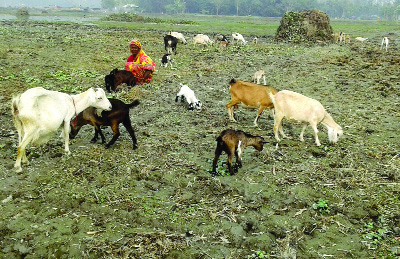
x: 218, y: 4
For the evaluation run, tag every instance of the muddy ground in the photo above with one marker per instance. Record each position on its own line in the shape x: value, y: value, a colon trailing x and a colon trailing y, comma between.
x: 294, y: 200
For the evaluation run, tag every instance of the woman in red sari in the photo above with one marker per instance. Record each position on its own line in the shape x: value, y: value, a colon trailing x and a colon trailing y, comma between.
x: 141, y: 65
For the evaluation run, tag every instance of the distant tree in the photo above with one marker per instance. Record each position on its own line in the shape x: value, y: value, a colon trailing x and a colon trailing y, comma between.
x: 22, y: 13
x: 218, y: 4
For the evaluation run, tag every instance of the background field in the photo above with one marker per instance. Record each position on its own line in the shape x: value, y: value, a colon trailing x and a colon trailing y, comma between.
x: 159, y: 201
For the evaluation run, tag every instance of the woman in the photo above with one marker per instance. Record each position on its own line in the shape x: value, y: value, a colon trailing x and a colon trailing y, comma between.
x: 141, y: 65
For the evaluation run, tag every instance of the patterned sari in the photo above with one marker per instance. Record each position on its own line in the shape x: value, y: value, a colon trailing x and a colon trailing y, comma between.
x: 138, y: 66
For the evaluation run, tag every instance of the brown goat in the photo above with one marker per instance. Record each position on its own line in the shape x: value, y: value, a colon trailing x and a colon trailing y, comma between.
x: 118, y: 77
x: 233, y: 142
x: 118, y: 114
x: 250, y: 94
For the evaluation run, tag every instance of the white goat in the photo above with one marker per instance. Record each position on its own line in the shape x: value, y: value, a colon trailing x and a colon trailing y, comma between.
x: 255, y: 40
x: 38, y: 113
x: 238, y: 37
x: 179, y: 36
x: 257, y: 77
x: 361, y: 39
x: 186, y: 92
x: 295, y: 106
x: 385, y: 41
x: 202, y: 39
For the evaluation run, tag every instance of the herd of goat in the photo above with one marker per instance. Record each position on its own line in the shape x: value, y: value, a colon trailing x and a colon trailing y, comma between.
x: 38, y: 113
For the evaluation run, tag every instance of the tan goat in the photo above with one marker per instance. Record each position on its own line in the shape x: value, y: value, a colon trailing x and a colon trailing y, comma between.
x: 251, y: 95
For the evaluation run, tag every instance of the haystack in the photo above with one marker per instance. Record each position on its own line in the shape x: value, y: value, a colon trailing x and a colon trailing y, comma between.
x: 305, y: 26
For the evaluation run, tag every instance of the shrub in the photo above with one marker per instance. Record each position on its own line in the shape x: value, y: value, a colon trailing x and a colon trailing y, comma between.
x: 305, y: 26
x: 22, y: 13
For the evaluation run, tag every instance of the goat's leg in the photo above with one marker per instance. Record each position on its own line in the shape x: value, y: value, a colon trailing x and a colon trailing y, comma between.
x: 277, y: 126
x: 128, y: 127
x: 238, y: 155
x: 67, y: 128
x: 21, y: 153
x: 260, y: 111
x: 314, y: 127
x: 302, y: 133
x: 230, y: 107
x: 218, y: 152
x: 116, y: 133
x: 230, y: 158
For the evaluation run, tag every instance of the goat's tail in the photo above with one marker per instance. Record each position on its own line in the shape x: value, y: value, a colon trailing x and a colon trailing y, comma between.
x: 271, y: 96
x: 133, y: 104
x: 15, y: 116
x: 14, y: 106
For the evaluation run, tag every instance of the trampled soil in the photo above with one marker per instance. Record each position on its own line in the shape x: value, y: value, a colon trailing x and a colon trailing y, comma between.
x: 294, y: 200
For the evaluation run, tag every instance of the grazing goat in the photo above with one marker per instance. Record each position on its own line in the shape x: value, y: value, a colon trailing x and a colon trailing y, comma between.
x: 166, y: 59
x: 238, y: 37
x: 202, y: 39
x: 233, y: 142
x: 295, y: 106
x: 255, y: 40
x: 361, y: 39
x: 179, y: 36
x: 186, y: 93
x: 250, y: 94
x: 170, y: 43
x: 385, y: 41
x: 118, y: 77
x: 38, y: 113
x: 257, y: 76
x: 220, y: 37
x: 119, y: 113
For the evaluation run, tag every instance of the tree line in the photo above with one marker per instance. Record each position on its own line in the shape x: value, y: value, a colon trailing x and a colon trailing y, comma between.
x: 356, y: 9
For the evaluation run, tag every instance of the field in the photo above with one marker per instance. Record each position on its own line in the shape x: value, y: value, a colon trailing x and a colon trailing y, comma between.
x: 292, y: 200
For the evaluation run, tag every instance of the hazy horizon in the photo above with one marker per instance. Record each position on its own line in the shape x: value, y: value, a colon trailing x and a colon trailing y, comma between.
x: 47, y: 3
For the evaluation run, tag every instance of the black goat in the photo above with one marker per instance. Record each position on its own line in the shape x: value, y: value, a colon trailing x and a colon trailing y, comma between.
x: 170, y: 43
x: 118, y: 77
x: 119, y: 113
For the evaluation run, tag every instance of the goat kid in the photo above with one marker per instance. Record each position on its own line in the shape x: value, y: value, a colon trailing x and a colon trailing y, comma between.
x: 295, y: 106
x: 233, y: 142
x: 251, y: 95
x: 118, y: 114
x: 38, y: 113
x: 186, y: 93
x: 385, y: 41
x: 257, y: 76
x: 118, y: 77
x: 166, y: 59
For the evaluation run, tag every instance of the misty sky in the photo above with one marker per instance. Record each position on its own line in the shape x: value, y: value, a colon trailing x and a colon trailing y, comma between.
x: 47, y: 3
